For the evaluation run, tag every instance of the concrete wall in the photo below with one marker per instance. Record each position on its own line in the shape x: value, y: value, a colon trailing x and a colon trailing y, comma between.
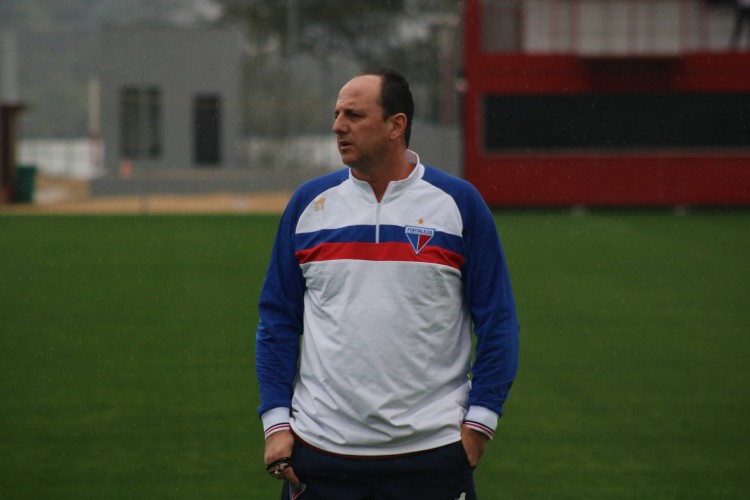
x: 181, y: 63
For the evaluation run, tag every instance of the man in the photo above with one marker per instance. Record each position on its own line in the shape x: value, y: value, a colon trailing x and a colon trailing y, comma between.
x: 382, y: 268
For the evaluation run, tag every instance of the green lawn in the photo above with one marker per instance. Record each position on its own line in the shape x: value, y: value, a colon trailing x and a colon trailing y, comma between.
x: 126, y: 357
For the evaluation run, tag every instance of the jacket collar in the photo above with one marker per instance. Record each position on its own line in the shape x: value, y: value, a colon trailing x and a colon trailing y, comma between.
x: 394, y: 187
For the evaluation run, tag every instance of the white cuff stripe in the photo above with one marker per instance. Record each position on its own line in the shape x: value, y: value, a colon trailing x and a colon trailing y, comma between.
x: 277, y: 428
x: 480, y: 428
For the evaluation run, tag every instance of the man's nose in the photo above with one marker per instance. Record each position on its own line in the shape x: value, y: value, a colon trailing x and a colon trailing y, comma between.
x: 339, y: 127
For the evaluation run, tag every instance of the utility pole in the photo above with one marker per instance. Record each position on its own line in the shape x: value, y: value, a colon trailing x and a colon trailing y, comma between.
x: 292, y: 27
x: 10, y: 107
x: 447, y: 25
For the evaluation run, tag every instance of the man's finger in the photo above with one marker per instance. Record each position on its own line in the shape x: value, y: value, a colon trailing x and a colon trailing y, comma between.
x: 289, y: 475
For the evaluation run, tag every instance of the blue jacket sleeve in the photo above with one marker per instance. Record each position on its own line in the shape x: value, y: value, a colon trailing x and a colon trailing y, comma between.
x: 488, y: 294
x: 281, y: 309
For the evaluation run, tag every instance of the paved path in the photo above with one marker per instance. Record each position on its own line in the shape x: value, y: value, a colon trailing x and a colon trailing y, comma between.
x: 66, y: 196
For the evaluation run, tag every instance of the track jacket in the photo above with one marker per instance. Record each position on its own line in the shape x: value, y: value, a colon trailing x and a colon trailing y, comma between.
x: 384, y: 296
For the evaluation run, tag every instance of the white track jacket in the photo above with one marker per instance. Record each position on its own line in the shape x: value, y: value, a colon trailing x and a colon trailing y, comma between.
x: 366, y: 315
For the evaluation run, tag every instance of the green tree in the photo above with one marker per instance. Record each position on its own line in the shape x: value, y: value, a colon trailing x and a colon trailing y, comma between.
x: 71, y: 14
x: 358, y: 28
x: 400, y: 33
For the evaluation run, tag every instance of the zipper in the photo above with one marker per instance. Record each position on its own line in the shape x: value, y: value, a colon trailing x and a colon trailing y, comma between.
x: 377, y: 211
x: 377, y: 221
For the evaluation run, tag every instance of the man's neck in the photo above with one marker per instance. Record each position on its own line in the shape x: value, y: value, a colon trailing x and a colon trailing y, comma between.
x: 395, y: 168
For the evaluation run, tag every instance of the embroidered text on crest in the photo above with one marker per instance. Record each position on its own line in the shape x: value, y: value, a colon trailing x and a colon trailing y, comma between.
x: 419, y: 236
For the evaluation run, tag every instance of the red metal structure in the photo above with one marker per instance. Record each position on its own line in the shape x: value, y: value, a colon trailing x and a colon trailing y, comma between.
x: 632, y: 129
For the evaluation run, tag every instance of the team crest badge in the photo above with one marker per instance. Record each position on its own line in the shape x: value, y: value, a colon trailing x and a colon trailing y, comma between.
x: 319, y: 204
x: 419, y: 237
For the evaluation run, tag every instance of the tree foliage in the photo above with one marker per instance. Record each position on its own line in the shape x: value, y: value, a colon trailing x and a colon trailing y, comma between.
x: 362, y: 29
x: 72, y: 14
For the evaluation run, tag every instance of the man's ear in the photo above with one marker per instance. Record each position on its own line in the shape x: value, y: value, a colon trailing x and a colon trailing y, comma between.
x: 398, y: 125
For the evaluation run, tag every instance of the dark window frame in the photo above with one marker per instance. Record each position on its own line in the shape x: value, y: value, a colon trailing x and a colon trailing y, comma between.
x: 140, y: 122
x: 609, y: 121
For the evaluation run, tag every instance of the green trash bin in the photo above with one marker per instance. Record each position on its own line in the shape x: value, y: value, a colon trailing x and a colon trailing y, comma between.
x: 24, y: 185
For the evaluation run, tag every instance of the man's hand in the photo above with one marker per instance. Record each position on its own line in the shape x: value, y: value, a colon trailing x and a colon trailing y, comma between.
x: 279, y: 445
x: 474, y: 443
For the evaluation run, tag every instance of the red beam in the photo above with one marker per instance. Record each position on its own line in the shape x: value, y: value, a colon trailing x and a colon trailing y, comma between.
x: 601, y: 180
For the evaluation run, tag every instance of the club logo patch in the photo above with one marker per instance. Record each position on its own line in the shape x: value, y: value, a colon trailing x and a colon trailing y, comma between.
x: 419, y: 237
x: 319, y: 204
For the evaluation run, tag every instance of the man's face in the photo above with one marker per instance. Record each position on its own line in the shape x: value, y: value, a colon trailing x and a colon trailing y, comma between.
x: 361, y: 132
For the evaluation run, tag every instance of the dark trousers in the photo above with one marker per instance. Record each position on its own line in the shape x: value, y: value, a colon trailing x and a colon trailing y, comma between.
x: 440, y: 474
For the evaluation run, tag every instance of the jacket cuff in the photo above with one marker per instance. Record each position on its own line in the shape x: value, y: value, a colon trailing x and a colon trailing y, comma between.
x: 482, y: 420
x: 275, y: 420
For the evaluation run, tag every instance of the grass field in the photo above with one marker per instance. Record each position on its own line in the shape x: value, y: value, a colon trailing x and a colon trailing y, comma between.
x: 126, y: 357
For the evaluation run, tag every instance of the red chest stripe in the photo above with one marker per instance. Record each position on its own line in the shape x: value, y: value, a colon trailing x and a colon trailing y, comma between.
x: 398, y: 252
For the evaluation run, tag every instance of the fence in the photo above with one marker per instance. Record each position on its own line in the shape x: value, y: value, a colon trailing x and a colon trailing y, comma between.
x: 78, y: 158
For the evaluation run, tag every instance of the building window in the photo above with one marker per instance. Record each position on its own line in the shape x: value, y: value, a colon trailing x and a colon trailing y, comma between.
x: 207, y: 129
x: 140, y: 114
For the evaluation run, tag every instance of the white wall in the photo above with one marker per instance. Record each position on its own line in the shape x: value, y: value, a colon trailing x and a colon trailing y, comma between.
x: 610, y: 27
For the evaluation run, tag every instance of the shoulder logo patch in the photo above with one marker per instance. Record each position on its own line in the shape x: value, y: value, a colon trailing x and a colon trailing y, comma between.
x: 419, y: 237
x: 319, y: 204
